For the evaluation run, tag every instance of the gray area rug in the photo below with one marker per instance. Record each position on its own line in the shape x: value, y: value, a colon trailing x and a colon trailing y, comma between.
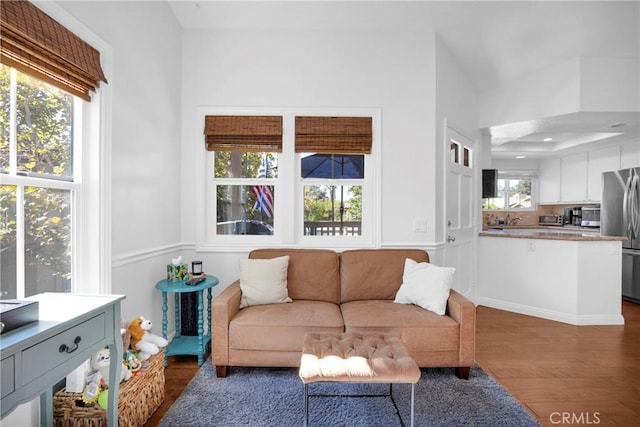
x: 274, y: 397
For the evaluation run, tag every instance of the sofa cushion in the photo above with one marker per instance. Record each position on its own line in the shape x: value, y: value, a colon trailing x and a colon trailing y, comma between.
x: 281, y: 327
x: 263, y: 281
x: 414, y: 325
x: 374, y: 273
x: 313, y: 274
x: 425, y: 285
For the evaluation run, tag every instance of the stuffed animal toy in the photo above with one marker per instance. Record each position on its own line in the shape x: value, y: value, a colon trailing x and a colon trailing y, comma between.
x: 144, y: 341
x: 100, y: 362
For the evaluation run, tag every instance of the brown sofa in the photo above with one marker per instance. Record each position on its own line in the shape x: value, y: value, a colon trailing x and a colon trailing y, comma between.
x: 352, y: 291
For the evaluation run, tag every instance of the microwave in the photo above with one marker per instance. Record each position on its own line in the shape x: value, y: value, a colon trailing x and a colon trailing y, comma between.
x: 590, y: 217
x: 550, y: 220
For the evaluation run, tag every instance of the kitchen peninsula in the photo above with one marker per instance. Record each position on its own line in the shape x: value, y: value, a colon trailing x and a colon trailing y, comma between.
x: 570, y: 276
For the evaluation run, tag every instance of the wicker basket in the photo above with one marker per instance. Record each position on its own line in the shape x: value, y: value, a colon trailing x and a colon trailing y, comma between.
x: 138, y: 399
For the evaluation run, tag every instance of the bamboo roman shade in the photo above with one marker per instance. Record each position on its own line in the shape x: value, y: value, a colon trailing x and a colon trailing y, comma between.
x: 36, y: 44
x: 243, y: 133
x: 337, y: 135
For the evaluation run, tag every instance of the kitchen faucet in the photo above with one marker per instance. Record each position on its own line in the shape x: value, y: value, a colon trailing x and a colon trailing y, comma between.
x: 512, y: 221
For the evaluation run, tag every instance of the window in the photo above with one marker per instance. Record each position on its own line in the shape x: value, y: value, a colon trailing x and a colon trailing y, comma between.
x: 245, y: 171
x: 46, y: 226
x: 332, y: 170
x: 313, y: 184
x: 515, y: 192
x: 37, y: 122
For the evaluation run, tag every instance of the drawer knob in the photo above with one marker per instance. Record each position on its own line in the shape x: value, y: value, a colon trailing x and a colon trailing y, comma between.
x: 65, y: 348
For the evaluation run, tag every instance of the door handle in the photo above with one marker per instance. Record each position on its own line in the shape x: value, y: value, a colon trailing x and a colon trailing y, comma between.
x: 451, y: 238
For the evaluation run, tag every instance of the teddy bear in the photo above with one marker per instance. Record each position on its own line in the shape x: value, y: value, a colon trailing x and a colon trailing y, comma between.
x: 146, y: 343
x: 100, y: 362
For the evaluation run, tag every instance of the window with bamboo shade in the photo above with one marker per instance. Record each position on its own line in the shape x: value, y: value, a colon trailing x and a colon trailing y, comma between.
x: 245, y: 167
x: 290, y: 176
x: 36, y: 44
x: 332, y: 166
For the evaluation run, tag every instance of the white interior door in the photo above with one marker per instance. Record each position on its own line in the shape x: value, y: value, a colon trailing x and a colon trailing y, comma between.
x: 459, y: 215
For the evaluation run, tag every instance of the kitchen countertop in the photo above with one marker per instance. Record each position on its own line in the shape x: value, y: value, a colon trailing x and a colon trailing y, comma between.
x: 549, y: 233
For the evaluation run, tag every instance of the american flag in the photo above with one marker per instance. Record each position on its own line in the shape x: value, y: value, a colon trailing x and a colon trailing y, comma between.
x: 264, y: 198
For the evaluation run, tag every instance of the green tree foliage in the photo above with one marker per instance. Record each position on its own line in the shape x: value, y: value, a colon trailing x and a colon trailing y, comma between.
x: 317, y: 203
x: 355, y: 203
x: 523, y: 186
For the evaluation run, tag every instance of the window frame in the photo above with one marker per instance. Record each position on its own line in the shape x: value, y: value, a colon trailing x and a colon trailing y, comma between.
x: 288, y: 188
x: 518, y: 175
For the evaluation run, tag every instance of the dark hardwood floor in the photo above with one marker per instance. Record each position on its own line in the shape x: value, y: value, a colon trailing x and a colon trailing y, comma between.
x: 563, y: 374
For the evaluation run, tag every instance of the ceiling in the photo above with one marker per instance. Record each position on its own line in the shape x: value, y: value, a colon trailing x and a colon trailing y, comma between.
x: 494, y: 42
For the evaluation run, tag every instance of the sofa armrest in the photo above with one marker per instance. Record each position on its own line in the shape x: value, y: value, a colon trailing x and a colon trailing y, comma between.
x: 463, y: 311
x: 224, y: 306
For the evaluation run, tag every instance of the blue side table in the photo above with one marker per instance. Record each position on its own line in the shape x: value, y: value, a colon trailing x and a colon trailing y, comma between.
x: 187, y: 344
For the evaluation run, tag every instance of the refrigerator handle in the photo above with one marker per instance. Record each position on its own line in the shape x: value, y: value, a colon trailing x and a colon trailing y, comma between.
x: 626, y: 215
x: 635, y: 204
x: 630, y: 210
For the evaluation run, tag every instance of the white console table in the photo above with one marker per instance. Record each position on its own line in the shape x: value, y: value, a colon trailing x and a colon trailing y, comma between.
x: 70, y: 329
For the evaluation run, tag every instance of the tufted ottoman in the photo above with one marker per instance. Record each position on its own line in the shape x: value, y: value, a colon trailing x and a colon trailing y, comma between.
x: 356, y: 358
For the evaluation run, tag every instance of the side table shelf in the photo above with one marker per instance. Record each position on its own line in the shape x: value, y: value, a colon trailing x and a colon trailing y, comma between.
x: 183, y: 344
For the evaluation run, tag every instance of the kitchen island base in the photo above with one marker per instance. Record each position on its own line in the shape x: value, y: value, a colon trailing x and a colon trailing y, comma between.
x: 571, y: 281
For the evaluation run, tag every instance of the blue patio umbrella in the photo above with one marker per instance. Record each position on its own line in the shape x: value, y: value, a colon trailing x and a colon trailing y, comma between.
x: 334, y: 166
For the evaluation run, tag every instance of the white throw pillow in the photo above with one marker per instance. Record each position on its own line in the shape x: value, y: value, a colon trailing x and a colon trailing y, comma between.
x: 425, y: 285
x: 264, y: 281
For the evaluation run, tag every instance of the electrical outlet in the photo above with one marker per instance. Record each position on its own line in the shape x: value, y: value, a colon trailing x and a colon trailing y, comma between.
x: 616, y: 248
x: 531, y: 245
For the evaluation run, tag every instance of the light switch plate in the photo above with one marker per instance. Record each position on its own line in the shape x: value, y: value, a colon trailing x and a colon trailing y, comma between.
x: 420, y: 225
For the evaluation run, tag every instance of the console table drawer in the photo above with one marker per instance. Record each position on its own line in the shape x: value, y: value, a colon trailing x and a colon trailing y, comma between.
x: 42, y: 357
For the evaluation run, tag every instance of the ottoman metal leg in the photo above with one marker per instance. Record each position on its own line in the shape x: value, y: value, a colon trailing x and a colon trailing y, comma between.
x: 413, y: 390
x: 306, y: 405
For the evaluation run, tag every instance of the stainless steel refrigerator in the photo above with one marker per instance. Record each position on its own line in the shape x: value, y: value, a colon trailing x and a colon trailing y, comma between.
x: 620, y: 216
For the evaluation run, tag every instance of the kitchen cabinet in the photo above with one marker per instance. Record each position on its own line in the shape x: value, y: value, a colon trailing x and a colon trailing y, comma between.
x: 601, y: 160
x: 573, y: 178
x: 576, y: 178
x: 549, y: 180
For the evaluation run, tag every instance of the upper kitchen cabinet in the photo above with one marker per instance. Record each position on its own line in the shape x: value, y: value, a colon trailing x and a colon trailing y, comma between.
x: 549, y: 180
x: 573, y: 178
x: 601, y: 160
x: 577, y: 178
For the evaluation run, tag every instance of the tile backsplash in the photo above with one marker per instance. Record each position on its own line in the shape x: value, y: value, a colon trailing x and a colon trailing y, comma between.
x: 527, y: 218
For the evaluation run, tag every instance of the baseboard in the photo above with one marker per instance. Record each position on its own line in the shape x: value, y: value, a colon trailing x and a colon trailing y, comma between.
x: 578, y: 320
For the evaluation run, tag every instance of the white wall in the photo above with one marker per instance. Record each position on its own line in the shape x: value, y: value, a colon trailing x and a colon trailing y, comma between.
x: 144, y: 128
x: 392, y: 71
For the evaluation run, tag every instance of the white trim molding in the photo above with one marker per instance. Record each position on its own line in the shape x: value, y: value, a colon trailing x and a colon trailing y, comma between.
x: 142, y: 255
x: 577, y: 319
